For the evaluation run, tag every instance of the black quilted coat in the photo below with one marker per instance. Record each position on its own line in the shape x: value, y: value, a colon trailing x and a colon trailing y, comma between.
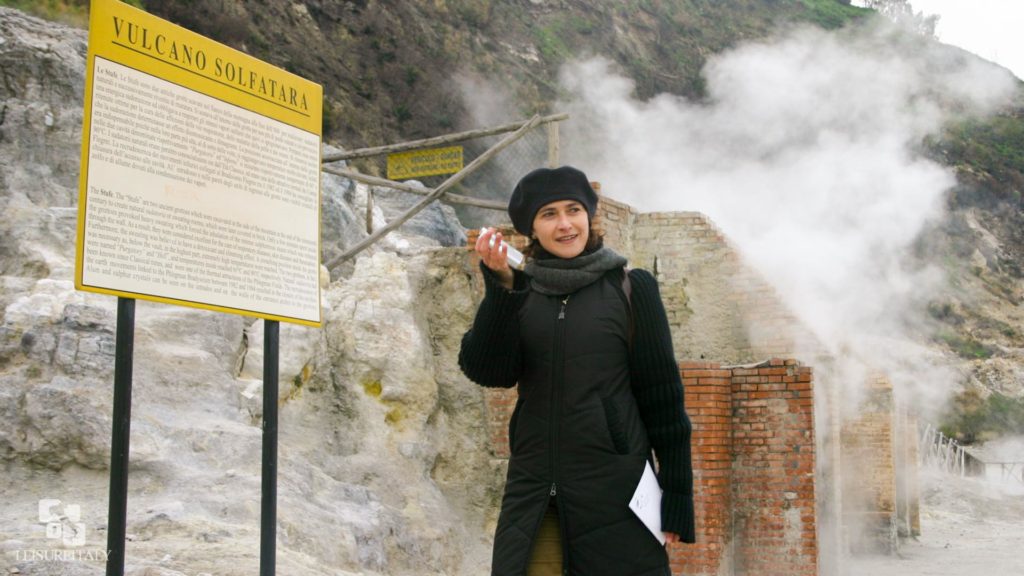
x: 593, y: 401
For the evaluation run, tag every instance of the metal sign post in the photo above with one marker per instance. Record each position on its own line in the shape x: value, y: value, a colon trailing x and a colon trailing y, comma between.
x: 118, y: 503
x: 268, y: 504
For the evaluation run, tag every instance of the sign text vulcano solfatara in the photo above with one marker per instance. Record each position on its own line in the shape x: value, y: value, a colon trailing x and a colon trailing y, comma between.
x: 140, y: 38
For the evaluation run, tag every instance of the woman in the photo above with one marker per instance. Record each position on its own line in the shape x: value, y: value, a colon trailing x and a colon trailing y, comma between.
x: 598, y: 388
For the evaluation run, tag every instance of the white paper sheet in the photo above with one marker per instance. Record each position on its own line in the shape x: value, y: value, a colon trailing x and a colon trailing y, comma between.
x: 646, y: 502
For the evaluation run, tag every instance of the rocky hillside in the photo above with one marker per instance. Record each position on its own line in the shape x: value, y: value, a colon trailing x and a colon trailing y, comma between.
x: 388, y: 67
x: 980, y: 245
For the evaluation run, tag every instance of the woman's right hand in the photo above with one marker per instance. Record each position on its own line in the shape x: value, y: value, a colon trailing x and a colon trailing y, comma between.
x: 495, y: 257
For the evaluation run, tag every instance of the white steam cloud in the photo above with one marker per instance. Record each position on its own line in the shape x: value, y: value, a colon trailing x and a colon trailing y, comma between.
x: 804, y: 154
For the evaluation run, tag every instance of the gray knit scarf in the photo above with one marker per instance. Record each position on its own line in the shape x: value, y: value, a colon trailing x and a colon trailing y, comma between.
x: 556, y: 276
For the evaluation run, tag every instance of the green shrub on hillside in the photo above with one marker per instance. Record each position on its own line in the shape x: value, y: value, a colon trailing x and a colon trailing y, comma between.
x: 992, y: 145
x: 832, y: 13
x: 965, y: 346
x: 976, y: 419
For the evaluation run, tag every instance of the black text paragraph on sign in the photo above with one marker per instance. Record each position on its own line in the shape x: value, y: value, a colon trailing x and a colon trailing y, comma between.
x: 172, y: 247
x: 141, y: 122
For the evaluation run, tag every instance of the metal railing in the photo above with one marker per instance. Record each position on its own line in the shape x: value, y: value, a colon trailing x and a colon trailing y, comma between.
x: 943, y: 452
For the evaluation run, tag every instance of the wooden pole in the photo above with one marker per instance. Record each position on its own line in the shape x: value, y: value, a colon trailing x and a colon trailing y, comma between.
x: 369, y: 210
x: 553, y: 145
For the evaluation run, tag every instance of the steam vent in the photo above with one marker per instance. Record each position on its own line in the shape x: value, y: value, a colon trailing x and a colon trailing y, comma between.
x: 786, y: 483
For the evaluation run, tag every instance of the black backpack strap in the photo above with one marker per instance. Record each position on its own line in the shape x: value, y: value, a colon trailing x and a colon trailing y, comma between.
x: 627, y: 286
x: 627, y: 291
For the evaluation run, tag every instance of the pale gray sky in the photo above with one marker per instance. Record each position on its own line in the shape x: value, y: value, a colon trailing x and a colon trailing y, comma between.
x: 992, y: 29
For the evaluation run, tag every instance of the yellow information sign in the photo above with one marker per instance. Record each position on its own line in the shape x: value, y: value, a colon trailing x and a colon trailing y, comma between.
x: 405, y: 165
x: 200, y: 181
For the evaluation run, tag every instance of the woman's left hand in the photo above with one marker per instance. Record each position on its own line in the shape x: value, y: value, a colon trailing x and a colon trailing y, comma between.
x: 671, y: 537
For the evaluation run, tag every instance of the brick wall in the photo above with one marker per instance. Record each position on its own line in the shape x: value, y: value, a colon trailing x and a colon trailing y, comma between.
x: 709, y: 403
x: 616, y: 220
x: 720, y: 308
x: 869, y: 471
x: 908, y: 497
x: 753, y: 457
x: 774, y: 523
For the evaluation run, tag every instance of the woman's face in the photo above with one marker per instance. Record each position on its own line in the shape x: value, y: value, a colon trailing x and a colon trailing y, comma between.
x: 562, y: 228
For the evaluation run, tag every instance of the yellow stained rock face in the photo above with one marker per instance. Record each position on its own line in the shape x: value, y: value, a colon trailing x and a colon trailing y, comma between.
x: 373, y: 388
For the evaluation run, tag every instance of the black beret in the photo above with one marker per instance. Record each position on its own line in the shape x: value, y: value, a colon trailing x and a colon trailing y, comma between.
x: 546, y: 185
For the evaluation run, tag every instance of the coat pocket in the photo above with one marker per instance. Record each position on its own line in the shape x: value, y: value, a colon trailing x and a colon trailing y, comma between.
x: 616, y: 429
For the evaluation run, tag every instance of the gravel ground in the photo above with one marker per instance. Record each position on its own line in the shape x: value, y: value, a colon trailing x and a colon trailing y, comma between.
x: 968, y: 527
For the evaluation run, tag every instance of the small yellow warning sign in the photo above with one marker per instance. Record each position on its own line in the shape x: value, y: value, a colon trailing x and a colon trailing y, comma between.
x: 406, y: 165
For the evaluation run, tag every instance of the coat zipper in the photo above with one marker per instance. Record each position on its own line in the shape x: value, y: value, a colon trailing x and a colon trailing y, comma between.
x: 556, y: 404
x: 556, y: 397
